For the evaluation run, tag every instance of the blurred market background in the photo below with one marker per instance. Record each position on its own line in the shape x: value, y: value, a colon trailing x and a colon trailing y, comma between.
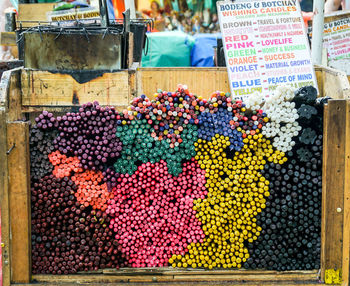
x: 183, y: 32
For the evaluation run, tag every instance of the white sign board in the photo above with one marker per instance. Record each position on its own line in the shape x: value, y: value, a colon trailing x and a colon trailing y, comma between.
x: 336, y: 35
x: 265, y: 45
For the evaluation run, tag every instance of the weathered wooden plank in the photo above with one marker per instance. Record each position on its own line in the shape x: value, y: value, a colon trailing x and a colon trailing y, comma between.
x: 4, y: 188
x: 342, y: 65
x: 4, y: 200
x: 200, y: 271
x: 47, y: 90
x: 204, y: 81
x: 78, y: 279
x: 324, y: 192
x: 251, y: 277
x: 320, y: 76
x: 335, y: 84
x: 209, y: 276
x: 33, y: 13
x: 187, y: 283
x: 200, y: 81
x: 19, y: 200
x: 15, y: 97
x: 346, y: 207
x: 334, y: 186
x: 42, y: 88
x: 8, y: 39
x: 60, y: 109
x: 130, y: 58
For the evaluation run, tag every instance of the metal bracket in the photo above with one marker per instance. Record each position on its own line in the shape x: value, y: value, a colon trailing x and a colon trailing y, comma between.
x: 10, y: 150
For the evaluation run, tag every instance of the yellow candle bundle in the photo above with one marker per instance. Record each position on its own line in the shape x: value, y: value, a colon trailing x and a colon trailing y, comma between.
x: 237, y: 192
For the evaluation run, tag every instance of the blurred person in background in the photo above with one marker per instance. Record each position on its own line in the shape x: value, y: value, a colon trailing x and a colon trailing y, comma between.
x: 334, y: 5
x: 156, y: 13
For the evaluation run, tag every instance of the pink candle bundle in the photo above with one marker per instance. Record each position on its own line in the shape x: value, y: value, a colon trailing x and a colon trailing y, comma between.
x: 153, y: 212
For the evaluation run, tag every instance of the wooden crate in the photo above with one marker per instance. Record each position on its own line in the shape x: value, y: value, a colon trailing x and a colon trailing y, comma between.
x: 24, y: 92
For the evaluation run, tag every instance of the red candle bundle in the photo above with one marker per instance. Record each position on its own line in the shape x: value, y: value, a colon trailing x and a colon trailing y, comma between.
x: 64, y: 165
x: 153, y: 214
x: 91, y: 191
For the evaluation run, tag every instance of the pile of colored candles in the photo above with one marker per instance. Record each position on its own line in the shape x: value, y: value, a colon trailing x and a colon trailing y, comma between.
x: 180, y: 181
x: 68, y: 237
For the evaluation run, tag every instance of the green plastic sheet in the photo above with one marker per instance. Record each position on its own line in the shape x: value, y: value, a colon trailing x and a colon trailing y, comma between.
x: 168, y: 49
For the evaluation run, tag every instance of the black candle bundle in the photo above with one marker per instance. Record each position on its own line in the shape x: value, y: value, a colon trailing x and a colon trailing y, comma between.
x: 291, y: 222
x: 41, y: 145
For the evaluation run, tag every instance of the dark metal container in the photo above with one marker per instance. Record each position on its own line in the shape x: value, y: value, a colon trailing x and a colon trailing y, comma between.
x: 72, y: 49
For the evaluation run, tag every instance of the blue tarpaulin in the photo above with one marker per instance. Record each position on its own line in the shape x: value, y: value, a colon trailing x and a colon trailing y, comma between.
x: 203, y: 50
x: 177, y: 49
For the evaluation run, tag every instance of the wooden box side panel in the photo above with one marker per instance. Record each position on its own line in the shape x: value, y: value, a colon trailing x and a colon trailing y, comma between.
x: 332, y: 83
x: 19, y: 200
x: 335, y: 193
x: 42, y: 89
x: 204, y: 81
x: 200, y: 81
x: 170, y: 275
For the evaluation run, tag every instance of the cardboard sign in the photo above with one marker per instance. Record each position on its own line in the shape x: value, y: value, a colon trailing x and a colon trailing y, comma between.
x: 265, y: 45
x: 336, y: 35
x: 67, y: 17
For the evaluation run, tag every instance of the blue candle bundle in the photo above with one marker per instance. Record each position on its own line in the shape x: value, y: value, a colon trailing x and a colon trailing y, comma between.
x: 219, y: 123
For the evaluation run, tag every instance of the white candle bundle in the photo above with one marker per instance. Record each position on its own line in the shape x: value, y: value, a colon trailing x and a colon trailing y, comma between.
x: 282, y: 114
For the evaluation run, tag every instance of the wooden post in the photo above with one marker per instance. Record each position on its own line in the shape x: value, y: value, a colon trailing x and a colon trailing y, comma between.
x: 14, y: 182
x: 5, y: 87
x: 14, y: 99
x: 335, y: 249
x: 4, y: 199
x: 130, y: 58
x: 19, y: 198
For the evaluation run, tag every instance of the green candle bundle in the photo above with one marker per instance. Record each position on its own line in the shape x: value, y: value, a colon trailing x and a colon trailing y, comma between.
x: 141, y: 147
